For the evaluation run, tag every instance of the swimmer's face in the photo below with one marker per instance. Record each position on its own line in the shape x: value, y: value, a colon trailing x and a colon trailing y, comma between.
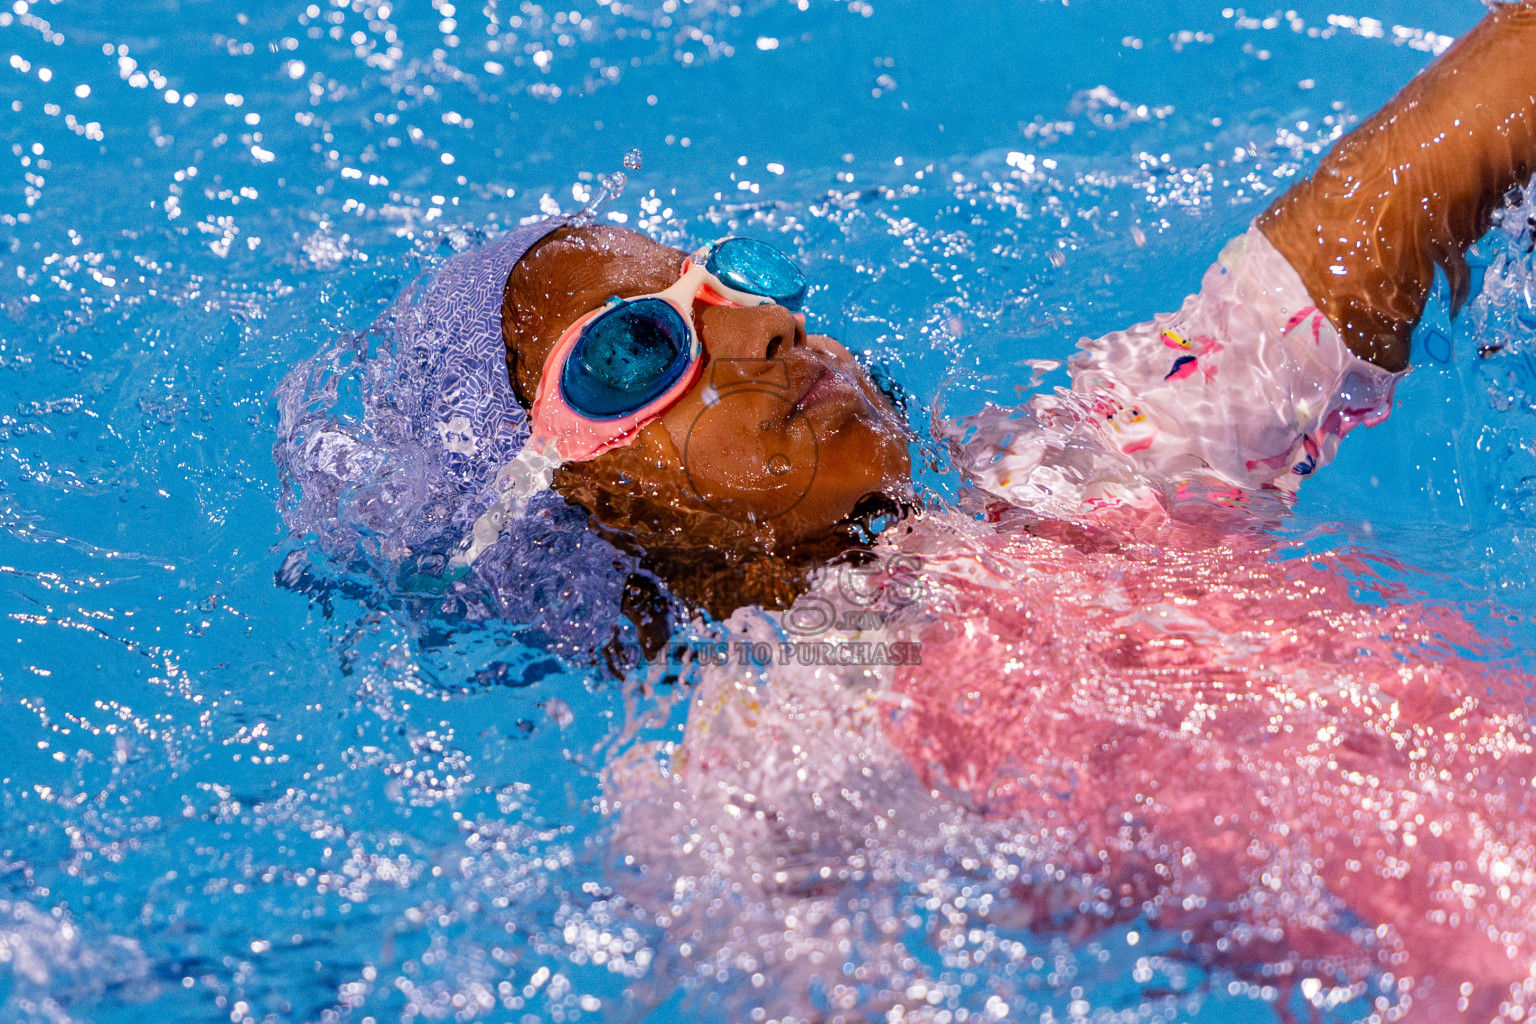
x: 776, y: 443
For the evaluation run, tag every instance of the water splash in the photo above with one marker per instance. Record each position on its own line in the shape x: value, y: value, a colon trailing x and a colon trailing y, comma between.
x: 1121, y: 769
x: 142, y: 349
x: 609, y: 188
x: 1502, y: 314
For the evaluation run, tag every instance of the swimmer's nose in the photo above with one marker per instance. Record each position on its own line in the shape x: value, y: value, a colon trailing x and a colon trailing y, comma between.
x: 750, y: 332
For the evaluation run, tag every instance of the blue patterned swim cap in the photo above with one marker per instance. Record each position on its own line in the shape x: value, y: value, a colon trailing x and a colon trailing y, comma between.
x: 388, y: 493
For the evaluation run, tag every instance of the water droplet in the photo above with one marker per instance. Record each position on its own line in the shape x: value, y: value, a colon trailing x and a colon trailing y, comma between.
x: 610, y: 187
x: 632, y: 160
x: 778, y: 465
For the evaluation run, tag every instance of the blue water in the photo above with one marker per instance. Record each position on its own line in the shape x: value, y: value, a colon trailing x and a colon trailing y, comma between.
x: 226, y: 798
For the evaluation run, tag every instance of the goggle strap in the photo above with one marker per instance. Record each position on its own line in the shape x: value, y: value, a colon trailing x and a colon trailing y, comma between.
x: 518, y: 482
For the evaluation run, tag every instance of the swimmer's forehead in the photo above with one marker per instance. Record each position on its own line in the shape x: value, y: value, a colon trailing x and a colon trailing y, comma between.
x: 598, y: 257
x: 572, y: 272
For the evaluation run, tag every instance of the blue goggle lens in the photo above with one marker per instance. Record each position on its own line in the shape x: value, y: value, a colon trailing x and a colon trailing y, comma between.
x: 758, y: 269
x: 626, y: 358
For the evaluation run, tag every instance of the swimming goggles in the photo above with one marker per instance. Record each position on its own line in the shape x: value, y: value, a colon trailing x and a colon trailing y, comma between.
x: 621, y: 366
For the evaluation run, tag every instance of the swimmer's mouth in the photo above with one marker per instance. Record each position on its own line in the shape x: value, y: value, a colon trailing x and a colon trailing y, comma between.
x: 821, y: 386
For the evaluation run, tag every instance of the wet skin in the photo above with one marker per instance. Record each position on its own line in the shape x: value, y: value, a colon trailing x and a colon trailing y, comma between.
x: 1414, y: 186
x: 768, y: 454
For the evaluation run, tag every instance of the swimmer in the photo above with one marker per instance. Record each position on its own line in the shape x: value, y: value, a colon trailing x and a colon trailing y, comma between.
x: 677, y: 398
x: 1298, y: 335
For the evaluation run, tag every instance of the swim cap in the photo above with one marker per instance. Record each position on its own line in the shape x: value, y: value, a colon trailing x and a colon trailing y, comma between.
x: 390, y: 444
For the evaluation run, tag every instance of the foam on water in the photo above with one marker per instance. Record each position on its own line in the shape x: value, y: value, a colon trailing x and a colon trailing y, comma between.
x: 1228, y: 756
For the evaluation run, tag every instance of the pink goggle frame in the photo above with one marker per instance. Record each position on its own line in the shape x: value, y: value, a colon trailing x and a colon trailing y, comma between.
x: 579, y: 438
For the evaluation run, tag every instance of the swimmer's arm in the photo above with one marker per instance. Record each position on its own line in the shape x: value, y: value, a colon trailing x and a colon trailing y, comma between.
x: 1413, y: 186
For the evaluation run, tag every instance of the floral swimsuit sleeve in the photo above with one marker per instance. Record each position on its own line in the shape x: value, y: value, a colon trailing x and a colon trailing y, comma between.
x: 1247, y: 387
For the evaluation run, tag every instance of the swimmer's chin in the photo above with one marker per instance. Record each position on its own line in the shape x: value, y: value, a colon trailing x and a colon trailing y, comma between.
x: 717, y: 563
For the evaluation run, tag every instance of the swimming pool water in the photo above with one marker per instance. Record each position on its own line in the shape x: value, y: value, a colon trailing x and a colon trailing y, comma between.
x: 233, y: 794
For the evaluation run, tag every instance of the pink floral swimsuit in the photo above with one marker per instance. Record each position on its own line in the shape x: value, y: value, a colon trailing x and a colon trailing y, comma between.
x: 1247, y: 387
